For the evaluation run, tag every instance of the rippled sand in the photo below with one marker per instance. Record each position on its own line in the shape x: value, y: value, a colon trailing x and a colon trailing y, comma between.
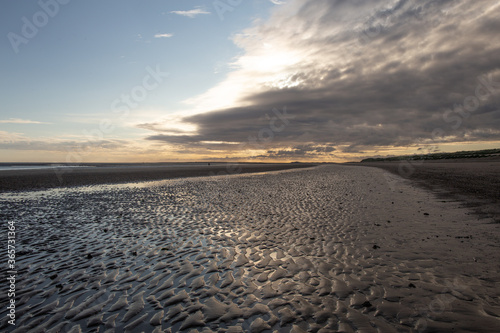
x: 328, y: 249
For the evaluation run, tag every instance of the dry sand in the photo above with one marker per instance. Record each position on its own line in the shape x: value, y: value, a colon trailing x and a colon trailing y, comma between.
x: 327, y: 249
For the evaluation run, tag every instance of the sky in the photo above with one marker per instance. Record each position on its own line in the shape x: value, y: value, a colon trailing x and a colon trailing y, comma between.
x: 246, y: 80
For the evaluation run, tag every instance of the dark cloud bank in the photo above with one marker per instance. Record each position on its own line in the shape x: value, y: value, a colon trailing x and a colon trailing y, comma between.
x: 379, y: 73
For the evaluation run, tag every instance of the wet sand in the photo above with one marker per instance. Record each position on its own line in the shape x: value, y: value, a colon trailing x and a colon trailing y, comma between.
x: 475, y: 182
x: 22, y: 180
x: 327, y: 249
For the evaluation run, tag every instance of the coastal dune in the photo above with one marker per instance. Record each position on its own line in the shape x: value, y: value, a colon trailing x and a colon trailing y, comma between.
x: 326, y: 249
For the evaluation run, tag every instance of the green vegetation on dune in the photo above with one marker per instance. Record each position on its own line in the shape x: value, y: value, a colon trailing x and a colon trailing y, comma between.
x: 439, y: 156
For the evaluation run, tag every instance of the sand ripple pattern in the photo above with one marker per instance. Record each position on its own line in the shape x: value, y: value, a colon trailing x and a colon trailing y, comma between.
x: 329, y: 249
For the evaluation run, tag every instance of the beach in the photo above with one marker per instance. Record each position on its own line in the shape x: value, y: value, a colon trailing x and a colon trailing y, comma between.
x: 68, y: 175
x: 330, y: 248
x: 473, y: 181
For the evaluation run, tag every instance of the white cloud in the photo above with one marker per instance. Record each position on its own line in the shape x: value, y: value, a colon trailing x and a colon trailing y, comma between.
x: 10, y: 137
x: 21, y: 121
x: 164, y: 35
x: 78, y: 144
x: 190, y: 13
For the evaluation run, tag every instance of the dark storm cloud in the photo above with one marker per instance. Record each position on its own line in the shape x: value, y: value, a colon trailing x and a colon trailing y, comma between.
x: 380, y: 73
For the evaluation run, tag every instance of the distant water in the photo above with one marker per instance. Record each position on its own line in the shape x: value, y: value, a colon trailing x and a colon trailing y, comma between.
x: 36, y: 167
x: 6, y: 167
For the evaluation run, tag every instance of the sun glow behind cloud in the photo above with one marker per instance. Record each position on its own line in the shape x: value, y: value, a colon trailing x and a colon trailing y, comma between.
x: 260, y: 67
x: 171, y: 124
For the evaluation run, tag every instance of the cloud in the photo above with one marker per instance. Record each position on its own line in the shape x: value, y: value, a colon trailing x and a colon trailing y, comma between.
x: 164, y: 35
x: 21, y: 121
x: 191, y: 13
x: 356, y: 76
x: 300, y: 151
x: 278, y: 2
x: 76, y: 144
x: 11, y: 137
x: 18, y: 141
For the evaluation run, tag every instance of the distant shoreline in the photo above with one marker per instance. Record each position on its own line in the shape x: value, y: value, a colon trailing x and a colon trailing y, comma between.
x: 466, y: 154
x: 114, y: 173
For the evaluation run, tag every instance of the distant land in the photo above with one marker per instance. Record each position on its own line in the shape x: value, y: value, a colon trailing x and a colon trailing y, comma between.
x: 440, y: 156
